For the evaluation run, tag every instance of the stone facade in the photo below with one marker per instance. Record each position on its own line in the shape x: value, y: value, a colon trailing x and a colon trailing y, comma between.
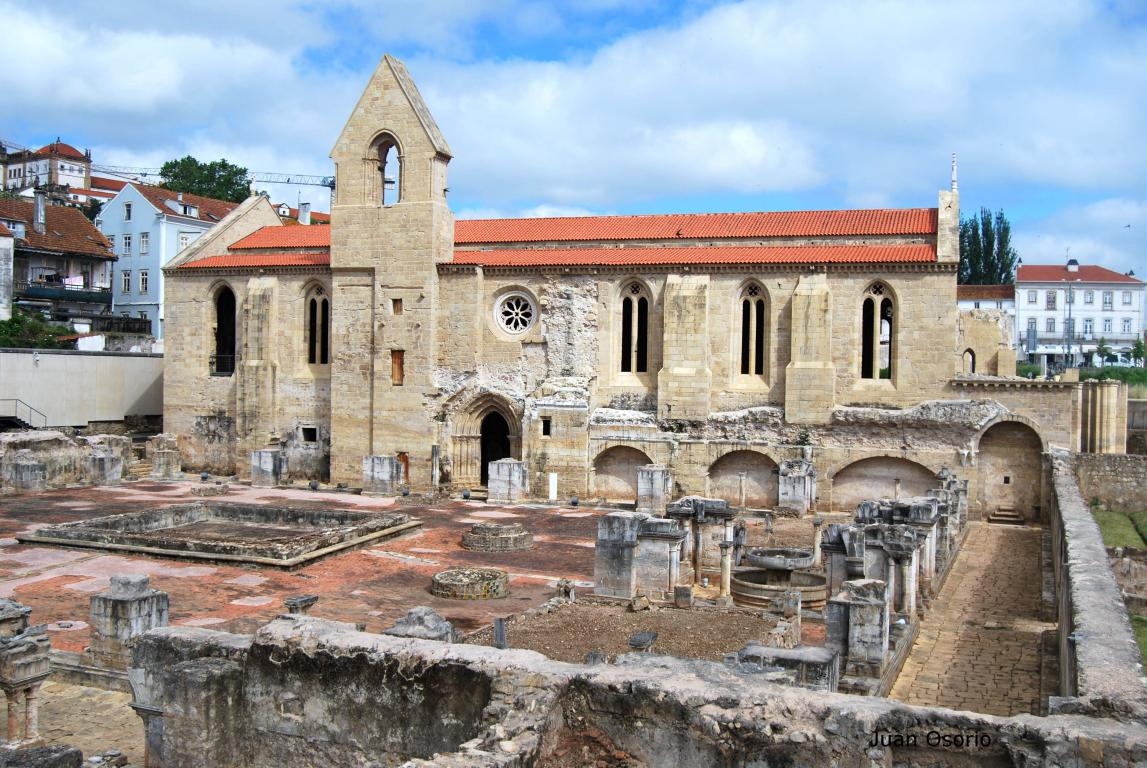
x: 716, y: 346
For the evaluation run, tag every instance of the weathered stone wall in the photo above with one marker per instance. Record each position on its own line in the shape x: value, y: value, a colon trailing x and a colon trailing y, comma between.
x: 1118, y: 482
x: 307, y: 692
x: 1101, y: 671
x: 274, y: 397
x: 61, y: 460
x: 989, y: 335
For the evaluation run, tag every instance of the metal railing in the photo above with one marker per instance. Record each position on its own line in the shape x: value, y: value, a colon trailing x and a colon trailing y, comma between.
x: 222, y: 365
x: 11, y: 408
x: 62, y: 292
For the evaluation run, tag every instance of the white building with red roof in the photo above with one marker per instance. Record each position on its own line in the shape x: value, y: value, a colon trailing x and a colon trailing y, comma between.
x: 714, y: 346
x: 54, y: 165
x: 1063, y: 312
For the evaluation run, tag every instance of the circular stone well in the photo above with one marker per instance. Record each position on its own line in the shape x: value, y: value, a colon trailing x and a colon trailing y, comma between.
x: 471, y: 584
x: 497, y: 537
x: 780, y: 558
x: 758, y: 587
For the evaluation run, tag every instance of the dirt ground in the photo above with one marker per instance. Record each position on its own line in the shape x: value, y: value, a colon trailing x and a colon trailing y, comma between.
x: 571, y: 631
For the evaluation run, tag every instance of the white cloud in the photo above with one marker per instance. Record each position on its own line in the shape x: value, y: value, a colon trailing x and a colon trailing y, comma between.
x: 1110, y: 232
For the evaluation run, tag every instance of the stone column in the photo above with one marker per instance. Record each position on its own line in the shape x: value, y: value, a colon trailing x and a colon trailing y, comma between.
x: 508, y: 481
x: 817, y: 522
x: 726, y: 568
x: 32, y: 712
x: 13, y: 715
x: 653, y: 486
x: 381, y: 474
x: 867, y: 627
x: 741, y: 487
x: 129, y: 608
x: 266, y: 467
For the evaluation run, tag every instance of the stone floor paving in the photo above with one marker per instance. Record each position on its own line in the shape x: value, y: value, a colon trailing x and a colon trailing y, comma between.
x: 90, y: 719
x: 979, y: 645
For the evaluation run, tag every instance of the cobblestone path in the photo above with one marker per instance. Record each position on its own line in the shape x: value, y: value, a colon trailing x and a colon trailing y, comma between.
x: 979, y: 646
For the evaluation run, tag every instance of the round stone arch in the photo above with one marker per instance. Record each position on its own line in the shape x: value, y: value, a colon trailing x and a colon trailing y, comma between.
x: 761, y: 484
x: 875, y: 477
x: 487, y: 428
x: 615, y: 472
x: 1009, y: 468
x: 384, y: 159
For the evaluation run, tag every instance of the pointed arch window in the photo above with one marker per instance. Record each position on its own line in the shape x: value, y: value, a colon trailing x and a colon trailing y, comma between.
x: 223, y: 360
x: 635, y: 329
x: 753, y: 327
x: 318, y: 330
x: 389, y: 172
x: 878, y: 333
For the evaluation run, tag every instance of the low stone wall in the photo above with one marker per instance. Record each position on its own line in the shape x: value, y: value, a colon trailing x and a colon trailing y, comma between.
x: 307, y: 692
x: 38, y: 459
x: 1120, y: 481
x: 1100, y: 665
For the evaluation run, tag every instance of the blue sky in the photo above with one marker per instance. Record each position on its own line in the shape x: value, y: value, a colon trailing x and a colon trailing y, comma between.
x: 633, y: 106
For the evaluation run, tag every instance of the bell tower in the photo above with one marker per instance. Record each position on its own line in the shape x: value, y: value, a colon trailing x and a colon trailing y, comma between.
x: 390, y: 227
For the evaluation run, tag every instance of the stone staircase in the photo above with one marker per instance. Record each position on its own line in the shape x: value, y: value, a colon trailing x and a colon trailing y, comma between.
x: 1006, y: 516
x: 140, y: 470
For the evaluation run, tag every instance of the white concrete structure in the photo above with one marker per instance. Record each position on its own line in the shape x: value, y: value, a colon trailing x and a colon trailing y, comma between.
x: 1063, y: 312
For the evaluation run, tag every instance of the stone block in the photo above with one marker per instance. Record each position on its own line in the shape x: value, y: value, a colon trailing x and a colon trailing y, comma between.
x: 654, y: 485
x: 424, y: 623
x: 166, y: 464
x: 267, y: 468
x: 128, y: 609
x: 508, y: 481
x: 382, y: 474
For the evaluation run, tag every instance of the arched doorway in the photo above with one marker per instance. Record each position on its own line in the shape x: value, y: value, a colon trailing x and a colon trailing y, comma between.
x: 615, y: 473
x: 495, y: 442
x: 1011, y: 470
x: 876, y: 478
x: 760, y: 479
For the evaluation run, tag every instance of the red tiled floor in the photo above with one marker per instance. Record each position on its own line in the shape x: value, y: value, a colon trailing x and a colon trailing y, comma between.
x: 373, y: 586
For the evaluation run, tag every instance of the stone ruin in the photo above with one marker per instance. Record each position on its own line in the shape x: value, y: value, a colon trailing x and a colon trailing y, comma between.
x: 868, y: 581
x: 36, y: 460
x: 471, y: 584
x: 24, y: 666
x: 128, y: 608
x: 497, y: 537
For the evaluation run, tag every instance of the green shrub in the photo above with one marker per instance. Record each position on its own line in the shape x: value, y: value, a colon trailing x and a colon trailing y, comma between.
x: 1028, y: 370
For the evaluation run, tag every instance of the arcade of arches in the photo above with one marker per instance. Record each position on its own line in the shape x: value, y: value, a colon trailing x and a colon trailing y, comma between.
x: 876, y: 478
x: 760, y: 479
x: 1011, y: 470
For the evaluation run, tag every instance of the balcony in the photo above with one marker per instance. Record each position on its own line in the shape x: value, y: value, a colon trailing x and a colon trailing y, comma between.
x: 51, y: 291
x: 116, y: 324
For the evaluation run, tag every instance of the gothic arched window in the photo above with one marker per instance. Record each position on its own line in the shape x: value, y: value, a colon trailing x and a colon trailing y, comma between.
x: 753, y: 327
x: 634, y: 328
x: 223, y: 361
x: 318, y: 330
x: 878, y: 333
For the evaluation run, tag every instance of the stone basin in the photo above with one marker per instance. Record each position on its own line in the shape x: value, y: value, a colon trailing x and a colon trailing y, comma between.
x: 780, y: 558
x: 759, y: 587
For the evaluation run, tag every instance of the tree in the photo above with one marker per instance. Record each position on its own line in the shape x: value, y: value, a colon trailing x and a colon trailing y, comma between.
x: 986, y: 253
x: 92, y: 208
x: 1103, y: 350
x: 1137, y: 351
x: 218, y: 179
x: 28, y: 331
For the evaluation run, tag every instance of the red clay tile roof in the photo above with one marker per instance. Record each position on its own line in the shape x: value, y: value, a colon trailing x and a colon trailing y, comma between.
x: 262, y: 259
x: 1054, y: 273
x: 911, y: 221
x: 314, y: 236
x: 807, y: 254
x: 67, y: 230
x: 210, y: 209
x: 61, y: 149
x: 115, y: 185
x: 991, y: 292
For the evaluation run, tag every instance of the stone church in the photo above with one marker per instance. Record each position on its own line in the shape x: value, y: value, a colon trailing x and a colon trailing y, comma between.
x: 718, y: 345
